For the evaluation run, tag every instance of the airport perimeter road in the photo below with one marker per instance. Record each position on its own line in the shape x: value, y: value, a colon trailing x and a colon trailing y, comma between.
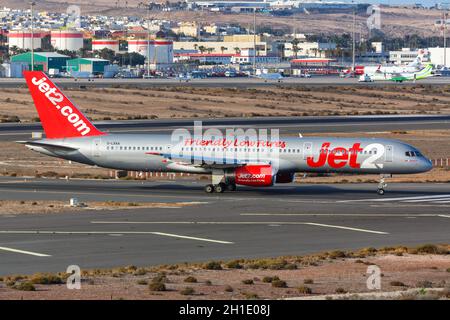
x: 222, y: 82
x: 284, y: 220
x: 287, y: 125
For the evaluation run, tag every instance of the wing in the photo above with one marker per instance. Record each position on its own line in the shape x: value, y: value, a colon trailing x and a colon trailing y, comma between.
x: 211, y: 162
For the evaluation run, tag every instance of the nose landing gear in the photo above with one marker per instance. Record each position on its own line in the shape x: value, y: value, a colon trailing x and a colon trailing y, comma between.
x: 382, y: 185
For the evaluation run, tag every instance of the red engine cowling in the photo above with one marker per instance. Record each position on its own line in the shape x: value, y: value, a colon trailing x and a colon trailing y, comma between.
x: 254, y: 175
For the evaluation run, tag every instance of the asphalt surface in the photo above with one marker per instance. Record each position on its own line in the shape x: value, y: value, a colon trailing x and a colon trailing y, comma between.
x: 286, y: 125
x: 240, y: 82
x: 283, y: 220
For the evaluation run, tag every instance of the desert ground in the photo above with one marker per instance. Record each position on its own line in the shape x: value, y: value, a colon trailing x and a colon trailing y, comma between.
x: 124, y: 102
x: 406, y: 273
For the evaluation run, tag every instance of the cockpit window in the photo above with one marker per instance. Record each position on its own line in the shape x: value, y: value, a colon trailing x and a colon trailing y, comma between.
x: 413, y: 154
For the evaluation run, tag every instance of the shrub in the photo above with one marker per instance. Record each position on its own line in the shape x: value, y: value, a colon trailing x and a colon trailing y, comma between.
x: 157, y: 286
x: 424, y: 284
x: 142, y: 282
x: 140, y: 272
x: 397, y: 284
x: 250, y: 295
x: 229, y: 289
x: 208, y: 282
x: 24, y: 286
x: 213, y: 265
x: 188, y: 291
x: 308, y: 281
x: 234, y: 265
x: 304, y: 290
x: 431, y: 249
x: 340, y: 290
x: 191, y: 279
x: 336, y: 254
x: 46, y: 278
x: 448, y: 269
x: 279, y: 284
x: 270, y: 279
x: 160, y: 278
x: 247, y: 281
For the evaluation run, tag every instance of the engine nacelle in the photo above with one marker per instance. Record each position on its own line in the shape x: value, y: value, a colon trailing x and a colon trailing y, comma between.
x: 253, y: 175
x: 285, y: 177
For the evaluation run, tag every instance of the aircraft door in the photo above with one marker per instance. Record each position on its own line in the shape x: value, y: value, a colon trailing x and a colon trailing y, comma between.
x: 96, y: 145
x: 307, y: 150
x: 389, y: 153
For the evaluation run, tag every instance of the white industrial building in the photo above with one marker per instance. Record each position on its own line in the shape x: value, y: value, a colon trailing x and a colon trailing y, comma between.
x: 140, y: 46
x: 437, y: 56
x: 67, y: 40
x: 161, y: 51
x: 99, y: 44
x: 22, y: 39
x: 406, y: 56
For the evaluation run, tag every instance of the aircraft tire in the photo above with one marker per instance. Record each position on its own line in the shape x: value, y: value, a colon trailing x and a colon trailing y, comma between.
x: 220, y: 188
x: 381, y: 192
x: 209, y: 188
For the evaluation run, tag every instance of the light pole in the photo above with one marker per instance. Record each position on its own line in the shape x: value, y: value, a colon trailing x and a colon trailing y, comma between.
x: 32, y: 35
x: 148, y: 41
x: 254, y: 40
x: 354, y: 41
x: 445, y: 15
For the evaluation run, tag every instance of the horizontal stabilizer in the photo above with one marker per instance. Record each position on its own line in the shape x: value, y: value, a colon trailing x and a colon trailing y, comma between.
x: 54, y: 147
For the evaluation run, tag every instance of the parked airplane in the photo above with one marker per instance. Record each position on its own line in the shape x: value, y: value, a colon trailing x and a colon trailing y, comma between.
x: 233, y: 160
x: 384, y: 72
x: 426, y: 72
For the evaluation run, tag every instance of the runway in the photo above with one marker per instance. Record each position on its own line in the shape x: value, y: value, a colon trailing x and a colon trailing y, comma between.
x: 286, y: 125
x: 233, y: 82
x: 283, y: 220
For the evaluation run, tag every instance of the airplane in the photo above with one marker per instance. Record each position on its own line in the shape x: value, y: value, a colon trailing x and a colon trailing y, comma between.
x: 426, y: 72
x: 384, y: 72
x: 273, y: 76
x: 231, y: 161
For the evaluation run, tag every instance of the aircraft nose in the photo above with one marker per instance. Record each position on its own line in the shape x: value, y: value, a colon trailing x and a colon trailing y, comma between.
x: 426, y: 164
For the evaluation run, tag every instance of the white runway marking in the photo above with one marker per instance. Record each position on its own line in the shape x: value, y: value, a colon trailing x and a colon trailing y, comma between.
x: 444, y: 216
x: 418, y: 199
x: 112, y: 233
x: 342, y: 214
x: 241, y: 223
x: 191, y: 238
x: 25, y: 252
x: 345, y: 228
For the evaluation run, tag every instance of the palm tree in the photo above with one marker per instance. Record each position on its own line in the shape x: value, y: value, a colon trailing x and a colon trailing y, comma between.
x: 295, y: 43
x: 222, y: 49
x: 237, y: 50
x: 210, y: 50
x: 202, y: 49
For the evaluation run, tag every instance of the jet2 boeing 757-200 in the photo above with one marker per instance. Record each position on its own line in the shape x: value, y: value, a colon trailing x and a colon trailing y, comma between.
x: 233, y: 160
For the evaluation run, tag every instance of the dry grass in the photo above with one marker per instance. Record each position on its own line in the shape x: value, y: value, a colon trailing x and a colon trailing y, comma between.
x: 179, y: 102
x: 419, y: 267
x: 13, y: 207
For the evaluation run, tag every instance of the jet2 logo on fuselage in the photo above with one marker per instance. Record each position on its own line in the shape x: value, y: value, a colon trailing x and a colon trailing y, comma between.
x: 339, y: 157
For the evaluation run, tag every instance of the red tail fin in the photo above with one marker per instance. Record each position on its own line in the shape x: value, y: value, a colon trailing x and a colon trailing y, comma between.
x: 59, y: 116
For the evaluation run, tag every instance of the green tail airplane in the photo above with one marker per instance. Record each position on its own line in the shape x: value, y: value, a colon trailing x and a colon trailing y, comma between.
x: 422, y: 74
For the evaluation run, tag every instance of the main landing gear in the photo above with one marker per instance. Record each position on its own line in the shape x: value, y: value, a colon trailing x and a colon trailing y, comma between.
x: 382, y: 185
x: 220, y: 188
